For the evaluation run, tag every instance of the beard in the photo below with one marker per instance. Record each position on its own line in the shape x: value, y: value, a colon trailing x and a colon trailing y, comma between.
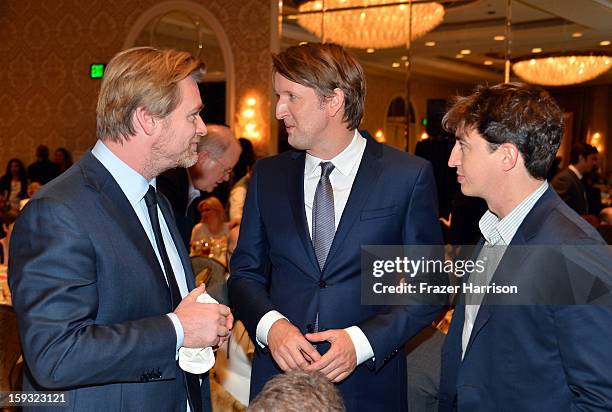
x: 162, y: 158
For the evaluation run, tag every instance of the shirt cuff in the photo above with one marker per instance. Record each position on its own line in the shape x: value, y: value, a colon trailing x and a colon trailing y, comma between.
x: 363, y: 349
x: 178, y: 328
x: 264, y: 325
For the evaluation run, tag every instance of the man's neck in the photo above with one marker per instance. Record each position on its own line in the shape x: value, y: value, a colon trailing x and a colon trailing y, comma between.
x: 332, y: 144
x: 509, y: 196
x: 136, y: 159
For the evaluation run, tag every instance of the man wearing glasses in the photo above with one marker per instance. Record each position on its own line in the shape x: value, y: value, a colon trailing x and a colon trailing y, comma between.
x: 218, y: 153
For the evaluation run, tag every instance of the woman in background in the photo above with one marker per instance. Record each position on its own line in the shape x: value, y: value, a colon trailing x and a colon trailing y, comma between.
x: 63, y: 159
x: 14, y: 185
x: 209, y: 237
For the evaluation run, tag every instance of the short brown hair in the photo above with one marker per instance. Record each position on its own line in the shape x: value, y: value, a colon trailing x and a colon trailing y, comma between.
x: 298, y: 391
x: 325, y: 67
x: 512, y: 113
x: 141, y: 76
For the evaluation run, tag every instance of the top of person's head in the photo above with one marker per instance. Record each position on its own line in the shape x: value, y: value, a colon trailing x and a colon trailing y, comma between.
x: 605, y: 216
x: 516, y: 113
x: 298, y: 391
x: 42, y: 152
x: 581, y: 149
x: 325, y: 67
x: 212, y: 203
x: 217, y: 140
x: 141, y: 77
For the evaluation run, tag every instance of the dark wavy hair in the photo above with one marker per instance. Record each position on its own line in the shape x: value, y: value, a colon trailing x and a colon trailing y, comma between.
x: 524, y: 115
x: 5, y: 181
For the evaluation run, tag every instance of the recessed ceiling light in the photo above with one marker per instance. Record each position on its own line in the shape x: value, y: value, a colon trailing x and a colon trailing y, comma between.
x: 430, y: 43
x: 499, y: 37
x: 488, y: 62
x: 404, y: 58
x: 466, y: 51
x: 604, y: 43
x: 459, y: 56
x: 370, y: 50
x: 395, y: 64
x: 577, y: 35
x: 536, y: 50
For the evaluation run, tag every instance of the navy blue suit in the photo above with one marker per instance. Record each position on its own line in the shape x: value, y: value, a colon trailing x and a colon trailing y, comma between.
x: 91, y: 297
x: 540, y: 357
x: 392, y: 202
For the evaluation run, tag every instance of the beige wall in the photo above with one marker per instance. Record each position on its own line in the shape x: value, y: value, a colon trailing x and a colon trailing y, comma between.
x: 382, y: 89
x: 46, y: 47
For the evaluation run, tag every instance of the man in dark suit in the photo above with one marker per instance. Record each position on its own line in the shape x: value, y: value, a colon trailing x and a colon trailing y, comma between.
x: 568, y: 182
x: 42, y: 170
x: 520, y: 352
x: 99, y: 276
x: 295, y: 275
x: 218, y: 153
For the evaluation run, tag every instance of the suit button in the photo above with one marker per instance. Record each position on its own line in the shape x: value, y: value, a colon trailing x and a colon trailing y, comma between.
x: 322, y: 284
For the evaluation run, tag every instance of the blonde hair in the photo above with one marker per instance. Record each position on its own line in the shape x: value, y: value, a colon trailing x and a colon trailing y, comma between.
x: 213, y: 203
x: 141, y: 76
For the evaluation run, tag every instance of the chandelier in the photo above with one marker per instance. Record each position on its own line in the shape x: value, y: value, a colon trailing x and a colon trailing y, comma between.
x: 360, y: 24
x: 562, y: 70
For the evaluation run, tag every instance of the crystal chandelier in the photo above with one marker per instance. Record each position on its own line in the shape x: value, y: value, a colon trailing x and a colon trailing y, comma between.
x: 364, y: 26
x: 562, y: 70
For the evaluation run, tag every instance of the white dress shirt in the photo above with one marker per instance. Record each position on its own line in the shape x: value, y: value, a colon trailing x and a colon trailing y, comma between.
x: 342, y: 177
x: 498, y: 232
x: 135, y: 186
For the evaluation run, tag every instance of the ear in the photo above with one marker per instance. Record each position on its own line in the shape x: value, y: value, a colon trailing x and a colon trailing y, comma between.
x: 144, y: 120
x: 509, y: 156
x: 335, y: 102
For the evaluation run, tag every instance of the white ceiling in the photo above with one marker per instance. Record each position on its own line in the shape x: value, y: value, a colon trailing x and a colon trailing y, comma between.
x: 547, y: 24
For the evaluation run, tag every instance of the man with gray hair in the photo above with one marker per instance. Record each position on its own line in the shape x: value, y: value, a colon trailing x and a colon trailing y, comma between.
x: 218, y: 152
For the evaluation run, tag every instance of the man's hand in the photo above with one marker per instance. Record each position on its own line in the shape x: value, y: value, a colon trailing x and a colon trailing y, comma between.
x: 289, y: 348
x: 204, y: 324
x: 341, y: 358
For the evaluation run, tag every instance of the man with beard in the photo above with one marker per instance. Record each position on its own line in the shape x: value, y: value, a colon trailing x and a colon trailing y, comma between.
x: 99, y: 276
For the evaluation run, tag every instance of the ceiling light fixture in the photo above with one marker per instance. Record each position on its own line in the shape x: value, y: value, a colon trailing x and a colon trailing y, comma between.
x: 604, y: 43
x: 349, y: 23
x: 488, y: 62
x: 577, y: 35
x: 562, y: 70
x: 499, y: 37
x: 430, y: 43
x: 466, y: 51
x: 536, y: 50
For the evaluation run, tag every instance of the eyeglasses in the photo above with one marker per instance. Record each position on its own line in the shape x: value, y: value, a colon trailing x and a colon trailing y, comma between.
x: 227, y: 171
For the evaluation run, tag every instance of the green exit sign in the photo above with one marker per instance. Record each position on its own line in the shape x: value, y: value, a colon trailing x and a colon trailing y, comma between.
x: 96, y: 71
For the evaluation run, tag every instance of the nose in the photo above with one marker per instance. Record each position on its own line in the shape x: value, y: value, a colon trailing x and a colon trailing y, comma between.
x: 454, y: 159
x: 281, y: 110
x: 201, y: 129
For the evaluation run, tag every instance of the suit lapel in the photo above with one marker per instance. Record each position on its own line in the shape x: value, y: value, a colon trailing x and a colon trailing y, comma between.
x: 369, y: 170
x: 114, y: 204
x: 295, y: 188
x: 513, y: 259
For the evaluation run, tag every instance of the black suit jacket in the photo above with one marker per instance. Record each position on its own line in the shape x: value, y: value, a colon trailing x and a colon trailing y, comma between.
x: 571, y: 190
x: 174, y: 184
x: 91, y: 298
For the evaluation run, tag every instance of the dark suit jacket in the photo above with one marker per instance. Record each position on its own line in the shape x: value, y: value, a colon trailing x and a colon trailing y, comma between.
x: 91, y: 297
x: 533, y: 357
x: 571, y: 190
x: 174, y: 184
x: 392, y: 202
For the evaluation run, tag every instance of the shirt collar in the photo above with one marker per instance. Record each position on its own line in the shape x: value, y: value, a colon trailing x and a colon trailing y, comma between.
x: 343, y: 162
x: 496, y: 231
x: 576, y: 172
x: 132, y: 183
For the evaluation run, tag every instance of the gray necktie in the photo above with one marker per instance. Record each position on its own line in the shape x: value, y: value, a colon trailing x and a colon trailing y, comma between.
x: 323, y: 219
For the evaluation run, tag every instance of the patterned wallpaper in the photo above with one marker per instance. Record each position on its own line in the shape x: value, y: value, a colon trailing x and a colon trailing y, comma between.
x: 46, y: 47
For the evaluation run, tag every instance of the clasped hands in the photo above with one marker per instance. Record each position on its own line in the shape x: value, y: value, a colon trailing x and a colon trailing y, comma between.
x: 291, y: 350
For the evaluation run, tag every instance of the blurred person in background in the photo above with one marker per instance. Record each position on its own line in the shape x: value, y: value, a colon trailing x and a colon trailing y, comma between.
x: 42, y: 170
x: 241, y: 178
x: 62, y: 158
x: 13, y: 185
x: 32, y: 188
x: 218, y: 152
